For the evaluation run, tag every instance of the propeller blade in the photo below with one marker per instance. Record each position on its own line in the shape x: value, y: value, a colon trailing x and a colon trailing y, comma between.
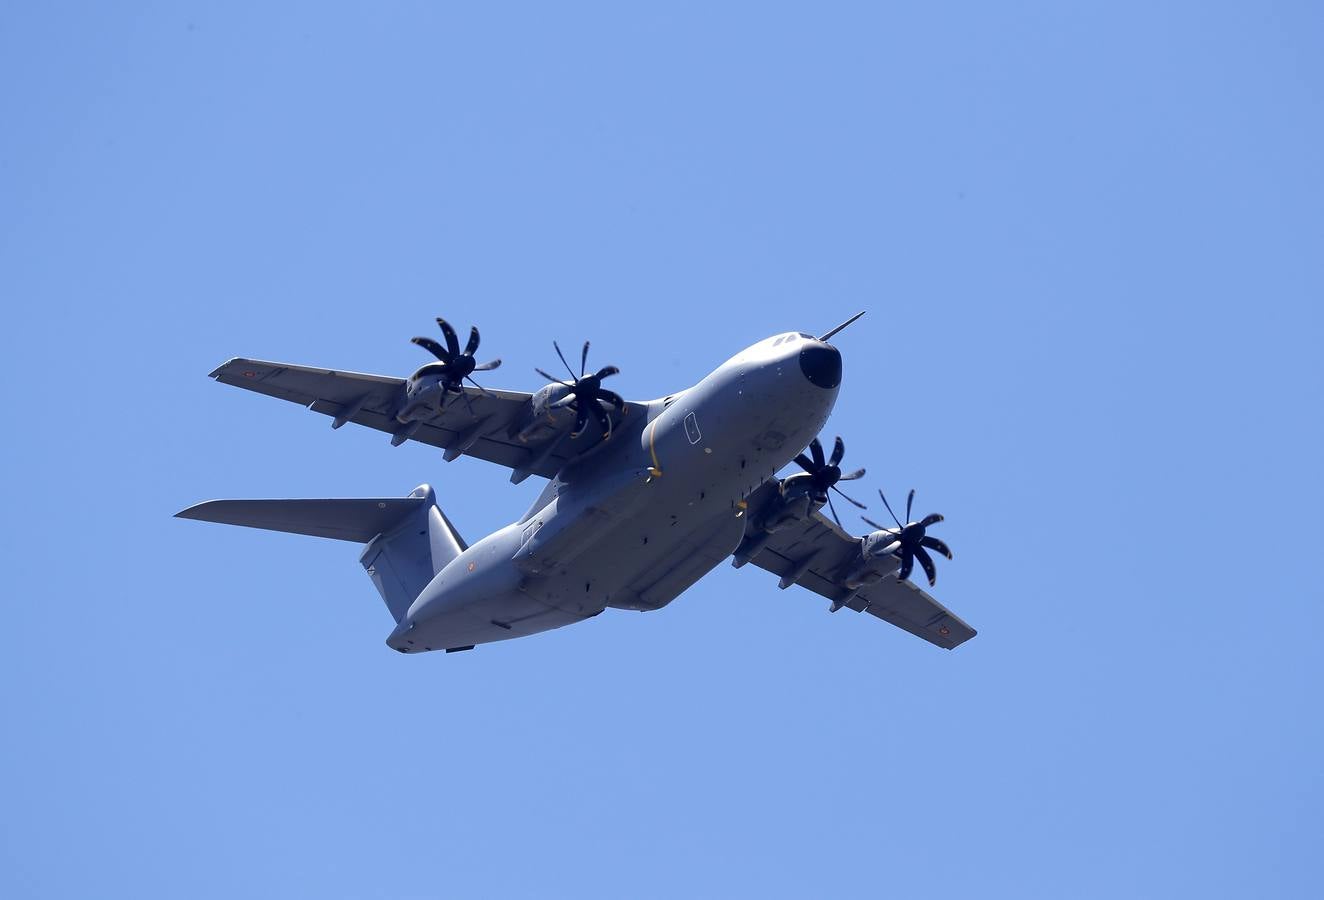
x: 470, y: 347
x: 488, y: 366
x: 432, y: 347
x: 884, y: 550
x: 615, y: 399
x: 583, y: 360
x: 838, y: 451
x: 817, y: 450
x: 482, y: 390
x: 567, y: 400
x: 834, y: 513
x: 452, y: 339
x: 857, y: 504
x: 926, y: 563
x: 551, y: 378
x: 889, y: 509
x: 566, y: 364
x: 467, y: 404
x: 872, y: 524
x: 936, y: 545
x: 607, y: 372
x: 603, y: 419
x: 909, y: 502
x: 805, y: 463
x: 907, y: 563
x: 930, y: 519
x: 858, y: 473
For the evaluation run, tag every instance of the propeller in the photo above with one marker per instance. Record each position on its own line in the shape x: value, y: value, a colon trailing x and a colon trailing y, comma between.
x: 586, y: 393
x: 821, y: 475
x: 455, y: 366
x: 910, y: 541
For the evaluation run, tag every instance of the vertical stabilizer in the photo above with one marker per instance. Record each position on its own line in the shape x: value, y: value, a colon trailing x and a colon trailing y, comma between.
x: 403, y: 560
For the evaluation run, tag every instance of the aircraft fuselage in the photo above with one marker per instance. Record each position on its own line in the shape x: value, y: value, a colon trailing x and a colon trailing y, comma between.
x: 635, y: 522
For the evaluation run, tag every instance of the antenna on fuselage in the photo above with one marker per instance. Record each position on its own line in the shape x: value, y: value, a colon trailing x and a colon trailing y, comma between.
x: 843, y: 325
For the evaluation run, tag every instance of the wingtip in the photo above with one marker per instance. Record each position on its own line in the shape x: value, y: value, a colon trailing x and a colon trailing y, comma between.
x: 216, y: 372
x: 191, y: 512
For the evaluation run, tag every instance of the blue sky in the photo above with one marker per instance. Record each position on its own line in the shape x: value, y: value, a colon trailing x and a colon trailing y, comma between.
x: 1089, y: 240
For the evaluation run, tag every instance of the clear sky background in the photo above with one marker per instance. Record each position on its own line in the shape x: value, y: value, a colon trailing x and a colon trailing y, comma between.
x: 1090, y: 240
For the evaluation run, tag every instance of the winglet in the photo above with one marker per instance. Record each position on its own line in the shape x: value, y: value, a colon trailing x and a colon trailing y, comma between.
x: 843, y: 325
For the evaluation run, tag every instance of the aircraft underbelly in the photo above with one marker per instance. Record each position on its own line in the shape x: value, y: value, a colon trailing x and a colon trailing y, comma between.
x: 496, y: 618
x: 664, y: 577
x: 650, y: 559
x: 624, y: 573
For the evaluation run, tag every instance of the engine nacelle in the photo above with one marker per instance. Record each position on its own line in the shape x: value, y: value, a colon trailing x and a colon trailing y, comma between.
x: 796, y: 500
x: 424, y: 396
x: 876, y: 559
x: 541, y: 420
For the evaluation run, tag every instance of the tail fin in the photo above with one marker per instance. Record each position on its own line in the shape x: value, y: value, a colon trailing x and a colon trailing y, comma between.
x: 409, y: 538
x: 402, y: 561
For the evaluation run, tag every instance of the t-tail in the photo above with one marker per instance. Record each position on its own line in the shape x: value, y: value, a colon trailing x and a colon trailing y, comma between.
x: 409, y: 539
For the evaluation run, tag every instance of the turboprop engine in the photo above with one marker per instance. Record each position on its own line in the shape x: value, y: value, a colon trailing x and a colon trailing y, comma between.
x: 426, y: 390
x: 581, y: 399
x: 880, y: 550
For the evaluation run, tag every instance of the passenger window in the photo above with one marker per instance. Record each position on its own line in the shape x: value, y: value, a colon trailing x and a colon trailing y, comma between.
x: 692, y: 429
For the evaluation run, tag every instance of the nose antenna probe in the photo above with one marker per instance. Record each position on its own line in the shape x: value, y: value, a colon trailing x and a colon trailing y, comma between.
x: 843, y: 325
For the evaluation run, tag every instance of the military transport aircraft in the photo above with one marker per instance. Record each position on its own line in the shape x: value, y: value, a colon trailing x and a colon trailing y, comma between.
x: 643, y: 498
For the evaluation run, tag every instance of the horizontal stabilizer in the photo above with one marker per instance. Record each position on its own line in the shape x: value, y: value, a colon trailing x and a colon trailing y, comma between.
x: 357, y: 520
x: 409, y: 539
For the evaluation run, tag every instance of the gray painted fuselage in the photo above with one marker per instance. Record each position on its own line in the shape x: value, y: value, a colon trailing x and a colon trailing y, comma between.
x: 636, y: 521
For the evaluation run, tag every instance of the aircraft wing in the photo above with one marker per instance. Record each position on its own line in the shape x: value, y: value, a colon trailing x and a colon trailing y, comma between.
x: 816, y: 554
x: 487, y: 427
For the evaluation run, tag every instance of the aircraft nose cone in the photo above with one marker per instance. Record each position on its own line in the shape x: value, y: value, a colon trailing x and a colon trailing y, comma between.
x: 821, y: 364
